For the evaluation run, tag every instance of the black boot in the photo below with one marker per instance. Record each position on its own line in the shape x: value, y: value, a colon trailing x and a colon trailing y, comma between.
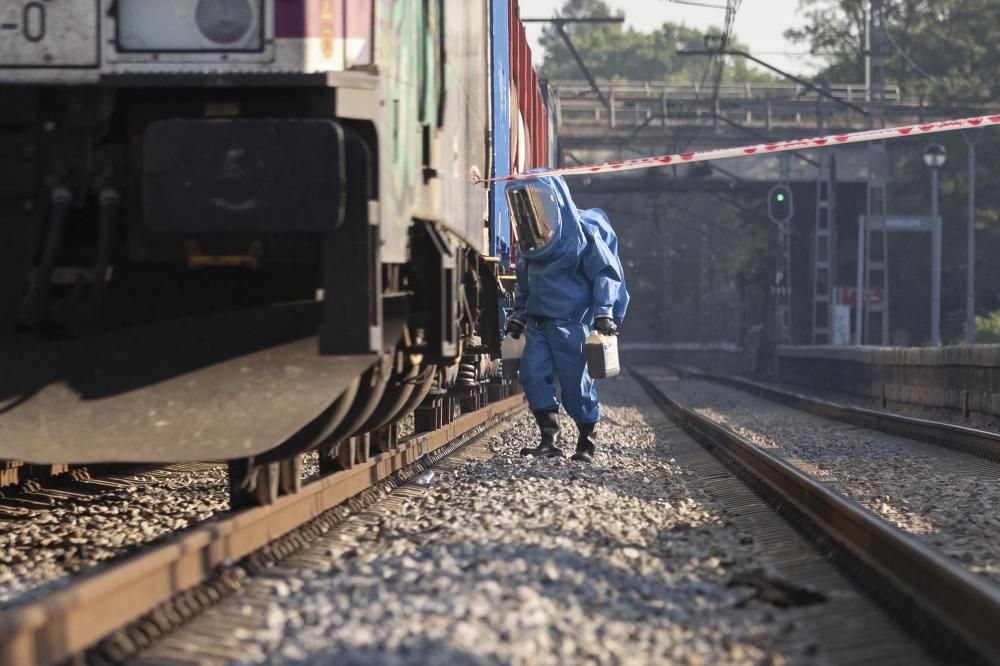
x: 586, y: 445
x: 548, y: 423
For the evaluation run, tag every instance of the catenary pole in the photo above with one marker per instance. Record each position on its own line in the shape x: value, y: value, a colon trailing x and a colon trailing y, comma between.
x: 970, y: 253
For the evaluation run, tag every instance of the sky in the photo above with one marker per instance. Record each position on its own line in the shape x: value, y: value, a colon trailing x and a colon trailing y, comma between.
x: 759, y: 24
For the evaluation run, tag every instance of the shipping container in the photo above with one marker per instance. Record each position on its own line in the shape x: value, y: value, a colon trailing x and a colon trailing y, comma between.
x: 520, y: 127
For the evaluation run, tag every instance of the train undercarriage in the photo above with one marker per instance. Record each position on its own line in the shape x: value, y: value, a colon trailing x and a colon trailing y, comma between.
x: 195, y: 273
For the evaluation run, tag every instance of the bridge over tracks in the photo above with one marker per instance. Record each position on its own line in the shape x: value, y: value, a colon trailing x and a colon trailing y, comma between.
x: 646, y: 118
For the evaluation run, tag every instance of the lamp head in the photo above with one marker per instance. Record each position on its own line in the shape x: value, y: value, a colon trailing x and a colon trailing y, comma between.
x: 935, y: 156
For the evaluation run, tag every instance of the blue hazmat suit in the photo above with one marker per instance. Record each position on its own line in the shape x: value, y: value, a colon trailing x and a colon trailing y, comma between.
x: 561, y: 287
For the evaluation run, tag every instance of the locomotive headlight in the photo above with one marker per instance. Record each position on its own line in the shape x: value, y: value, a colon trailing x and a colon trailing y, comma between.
x: 224, y: 21
x: 190, y: 25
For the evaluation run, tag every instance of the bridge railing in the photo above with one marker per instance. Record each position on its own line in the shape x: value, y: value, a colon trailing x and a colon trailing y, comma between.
x: 766, y: 106
x: 851, y: 92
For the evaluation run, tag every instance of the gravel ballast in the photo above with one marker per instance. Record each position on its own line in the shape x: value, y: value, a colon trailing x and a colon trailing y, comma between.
x: 948, y: 498
x: 65, y: 529
x: 495, y: 559
x: 68, y: 528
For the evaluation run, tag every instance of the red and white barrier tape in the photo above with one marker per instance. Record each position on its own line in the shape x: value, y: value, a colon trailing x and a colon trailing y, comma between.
x: 763, y: 148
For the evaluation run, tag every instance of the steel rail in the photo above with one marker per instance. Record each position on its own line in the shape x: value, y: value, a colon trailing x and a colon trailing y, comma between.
x: 962, y: 603
x: 980, y: 443
x: 68, y: 621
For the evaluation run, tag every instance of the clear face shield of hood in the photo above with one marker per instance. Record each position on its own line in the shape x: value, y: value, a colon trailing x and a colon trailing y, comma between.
x: 535, y: 214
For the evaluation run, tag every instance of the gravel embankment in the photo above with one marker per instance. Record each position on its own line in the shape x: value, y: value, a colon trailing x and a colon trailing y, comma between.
x: 89, y: 523
x: 949, y: 499
x: 68, y: 527
x: 504, y: 560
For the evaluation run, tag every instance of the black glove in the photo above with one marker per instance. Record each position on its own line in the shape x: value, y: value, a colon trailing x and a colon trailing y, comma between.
x: 605, y: 325
x: 515, y: 328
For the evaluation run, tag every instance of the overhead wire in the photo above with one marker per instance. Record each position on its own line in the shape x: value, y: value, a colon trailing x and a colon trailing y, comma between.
x: 732, y: 7
x: 716, y: 61
x: 920, y: 70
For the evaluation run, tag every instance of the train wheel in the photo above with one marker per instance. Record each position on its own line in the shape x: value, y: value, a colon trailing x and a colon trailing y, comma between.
x: 397, y: 393
x: 418, y: 395
x: 373, y: 385
x: 251, y: 484
x: 318, y: 431
x: 291, y: 475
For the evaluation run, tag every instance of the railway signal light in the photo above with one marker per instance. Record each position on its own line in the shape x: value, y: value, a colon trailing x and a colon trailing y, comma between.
x: 780, y: 204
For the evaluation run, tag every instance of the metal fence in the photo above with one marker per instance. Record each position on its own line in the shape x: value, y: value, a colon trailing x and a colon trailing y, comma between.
x: 765, y: 106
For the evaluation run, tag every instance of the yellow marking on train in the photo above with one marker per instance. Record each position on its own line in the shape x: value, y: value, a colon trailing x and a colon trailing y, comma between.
x: 222, y: 110
x: 327, y: 43
x: 197, y: 259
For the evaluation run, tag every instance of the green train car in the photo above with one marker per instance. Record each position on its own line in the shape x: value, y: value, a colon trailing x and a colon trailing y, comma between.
x: 246, y: 229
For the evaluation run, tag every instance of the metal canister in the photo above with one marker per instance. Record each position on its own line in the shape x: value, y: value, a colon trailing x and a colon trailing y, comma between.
x: 511, y: 351
x: 602, y: 355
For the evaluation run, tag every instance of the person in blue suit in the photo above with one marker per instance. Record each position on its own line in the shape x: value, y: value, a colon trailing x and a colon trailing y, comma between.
x: 569, y: 280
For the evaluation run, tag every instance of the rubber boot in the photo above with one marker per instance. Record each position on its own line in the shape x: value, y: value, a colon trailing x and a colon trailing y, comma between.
x: 548, y: 423
x: 586, y: 445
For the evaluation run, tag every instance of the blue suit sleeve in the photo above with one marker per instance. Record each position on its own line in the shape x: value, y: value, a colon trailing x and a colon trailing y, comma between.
x: 604, y: 270
x: 521, y: 294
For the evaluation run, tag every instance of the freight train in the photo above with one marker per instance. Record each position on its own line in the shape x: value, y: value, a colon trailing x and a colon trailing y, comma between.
x: 242, y: 230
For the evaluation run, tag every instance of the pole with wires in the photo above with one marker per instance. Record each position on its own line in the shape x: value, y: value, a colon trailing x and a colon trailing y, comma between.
x: 873, y: 317
x: 971, y: 138
x: 717, y: 63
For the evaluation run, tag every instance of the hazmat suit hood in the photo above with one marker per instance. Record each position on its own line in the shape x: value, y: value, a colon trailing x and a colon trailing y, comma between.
x: 546, y: 221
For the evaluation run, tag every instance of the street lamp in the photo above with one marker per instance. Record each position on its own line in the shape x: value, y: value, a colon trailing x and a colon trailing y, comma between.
x: 934, y: 157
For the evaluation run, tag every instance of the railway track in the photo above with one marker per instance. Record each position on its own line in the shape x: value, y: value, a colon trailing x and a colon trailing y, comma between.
x: 93, y: 606
x: 942, y: 491
x: 976, y: 442
x: 955, y: 611
x: 653, y: 554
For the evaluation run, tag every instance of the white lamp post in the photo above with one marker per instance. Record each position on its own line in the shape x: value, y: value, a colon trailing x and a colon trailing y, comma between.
x: 934, y: 157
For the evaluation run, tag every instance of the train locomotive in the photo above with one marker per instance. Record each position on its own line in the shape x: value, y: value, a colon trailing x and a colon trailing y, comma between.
x: 243, y: 230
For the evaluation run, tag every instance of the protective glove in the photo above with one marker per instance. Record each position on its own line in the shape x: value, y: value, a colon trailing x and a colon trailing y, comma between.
x: 605, y: 325
x: 515, y: 328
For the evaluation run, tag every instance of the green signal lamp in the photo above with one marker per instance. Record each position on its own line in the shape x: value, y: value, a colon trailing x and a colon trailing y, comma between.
x: 780, y: 204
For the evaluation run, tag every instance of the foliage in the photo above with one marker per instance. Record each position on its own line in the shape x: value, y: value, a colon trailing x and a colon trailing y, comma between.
x: 988, y: 328
x: 946, y: 49
x: 611, y: 51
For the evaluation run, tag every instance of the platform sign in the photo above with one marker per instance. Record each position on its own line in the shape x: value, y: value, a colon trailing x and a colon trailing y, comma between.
x: 900, y: 223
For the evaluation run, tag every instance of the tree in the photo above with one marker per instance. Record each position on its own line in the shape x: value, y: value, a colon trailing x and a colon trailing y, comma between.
x: 613, y: 52
x: 945, y: 49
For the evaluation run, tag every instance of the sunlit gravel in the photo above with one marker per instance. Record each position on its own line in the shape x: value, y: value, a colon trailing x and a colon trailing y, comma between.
x: 949, y: 499
x: 504, y: 560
